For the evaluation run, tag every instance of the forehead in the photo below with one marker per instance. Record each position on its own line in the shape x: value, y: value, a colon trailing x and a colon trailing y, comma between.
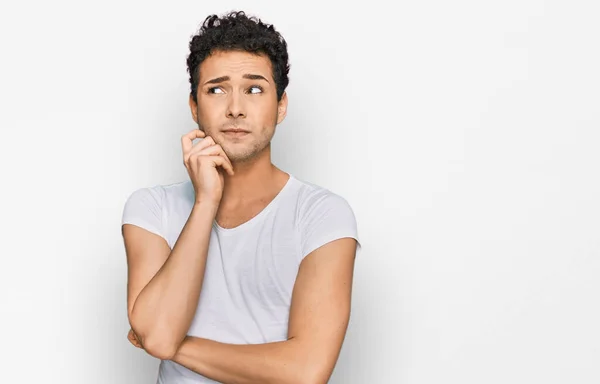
x: 235, y: 64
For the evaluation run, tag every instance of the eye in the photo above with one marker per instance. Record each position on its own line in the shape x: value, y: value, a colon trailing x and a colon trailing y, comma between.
x: 255, y: 87
x: 214, y: 90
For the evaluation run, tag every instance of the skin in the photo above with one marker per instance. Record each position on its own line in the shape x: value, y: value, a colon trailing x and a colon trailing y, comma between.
x: 320, y: 307
x: 249, y: 104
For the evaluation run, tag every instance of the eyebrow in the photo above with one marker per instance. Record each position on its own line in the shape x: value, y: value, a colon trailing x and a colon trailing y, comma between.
x: 226, y: 78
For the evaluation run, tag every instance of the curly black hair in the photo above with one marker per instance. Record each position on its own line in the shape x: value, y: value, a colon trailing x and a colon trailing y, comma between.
x: 237, y: 31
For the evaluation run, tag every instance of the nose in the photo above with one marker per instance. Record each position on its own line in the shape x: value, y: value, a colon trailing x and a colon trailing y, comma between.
x: 235, y: 107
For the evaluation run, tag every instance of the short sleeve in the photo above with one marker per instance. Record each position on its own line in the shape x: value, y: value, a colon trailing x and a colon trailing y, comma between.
x: 143, y: 208
x: 327, y: 218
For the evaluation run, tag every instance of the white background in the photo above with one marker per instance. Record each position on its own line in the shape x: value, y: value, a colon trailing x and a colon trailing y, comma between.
x: 464, y: 134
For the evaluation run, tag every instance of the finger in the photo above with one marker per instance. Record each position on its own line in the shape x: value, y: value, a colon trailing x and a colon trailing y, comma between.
x: 137, y: 345
x: 217, y: 150
x: 221, y: 161
x: 188, y: 138
x: 132, y: 335
x: 226, y: 164
x: 205, y: 143
x: 134, y: 341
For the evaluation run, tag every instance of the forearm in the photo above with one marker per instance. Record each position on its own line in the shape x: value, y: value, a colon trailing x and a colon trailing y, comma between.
x: 284, y: 362
x: 164, y: 309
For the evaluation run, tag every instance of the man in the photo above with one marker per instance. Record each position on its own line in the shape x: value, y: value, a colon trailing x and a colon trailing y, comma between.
x: 242, y: 274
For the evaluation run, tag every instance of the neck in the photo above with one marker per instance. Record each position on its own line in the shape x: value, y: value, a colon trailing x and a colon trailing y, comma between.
x: 253, y: 179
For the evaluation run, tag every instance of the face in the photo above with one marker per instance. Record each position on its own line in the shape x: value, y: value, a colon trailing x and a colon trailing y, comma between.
x: 236, y: 90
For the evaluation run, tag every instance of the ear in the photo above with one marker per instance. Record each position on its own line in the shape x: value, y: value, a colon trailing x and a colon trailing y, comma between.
x: 282, y: 108
x: 193, y: 108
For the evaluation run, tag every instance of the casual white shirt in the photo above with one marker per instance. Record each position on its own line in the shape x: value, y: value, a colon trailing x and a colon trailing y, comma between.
x: 251, y: 269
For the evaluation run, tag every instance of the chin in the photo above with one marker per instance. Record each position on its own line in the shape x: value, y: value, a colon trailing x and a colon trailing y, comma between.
x: 241, y: 157
x: 244, y: 152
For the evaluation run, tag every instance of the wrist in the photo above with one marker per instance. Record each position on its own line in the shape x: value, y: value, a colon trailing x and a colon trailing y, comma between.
x: 206, y: 207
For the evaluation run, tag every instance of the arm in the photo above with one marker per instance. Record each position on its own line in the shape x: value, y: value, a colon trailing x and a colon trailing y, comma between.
x: 318, y: 321
x: 163, y: 286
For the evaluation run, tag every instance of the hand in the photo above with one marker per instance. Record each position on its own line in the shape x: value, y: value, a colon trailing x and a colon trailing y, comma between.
x: 202, y: 161
x: 132, y: 337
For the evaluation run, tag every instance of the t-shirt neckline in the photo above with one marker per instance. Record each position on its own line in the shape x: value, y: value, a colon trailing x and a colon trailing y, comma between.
x: 262, y: 213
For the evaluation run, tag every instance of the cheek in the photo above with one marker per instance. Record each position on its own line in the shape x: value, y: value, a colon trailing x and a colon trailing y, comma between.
x: 208, y: 113
x: 267, y: 108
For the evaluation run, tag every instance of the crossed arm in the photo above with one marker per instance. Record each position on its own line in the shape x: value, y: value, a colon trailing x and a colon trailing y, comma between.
x: 318, y: 320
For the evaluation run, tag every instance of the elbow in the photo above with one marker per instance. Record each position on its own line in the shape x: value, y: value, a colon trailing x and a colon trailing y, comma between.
x: 316, y: 379
x: 156, y: 344
x: 310, y: 380
x: 314, y: 374
x: 307, y: 366
x: 160, y: 349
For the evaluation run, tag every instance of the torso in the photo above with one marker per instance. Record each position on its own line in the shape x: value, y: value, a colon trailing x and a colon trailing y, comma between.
x: 233, y: 215
x: 254, y: 254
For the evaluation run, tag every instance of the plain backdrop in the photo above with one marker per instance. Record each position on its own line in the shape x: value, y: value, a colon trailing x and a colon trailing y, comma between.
x: 464, y: 134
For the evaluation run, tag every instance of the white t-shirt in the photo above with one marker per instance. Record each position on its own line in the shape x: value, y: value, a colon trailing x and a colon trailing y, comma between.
x: 251, y: 269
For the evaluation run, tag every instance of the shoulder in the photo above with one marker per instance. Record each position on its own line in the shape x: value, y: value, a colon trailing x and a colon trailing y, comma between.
x: 150, y: 207
x: 161, y: 193
x: 323, y: 216
x: 319, y: 208
x: 317, y: 200
x: 157, y: 199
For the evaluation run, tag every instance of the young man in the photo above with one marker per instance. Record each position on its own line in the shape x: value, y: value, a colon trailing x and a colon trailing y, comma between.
x: 242, y: 274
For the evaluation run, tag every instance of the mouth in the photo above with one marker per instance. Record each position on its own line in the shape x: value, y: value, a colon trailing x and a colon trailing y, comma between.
x: 235, y: 130
x: 235, y: 133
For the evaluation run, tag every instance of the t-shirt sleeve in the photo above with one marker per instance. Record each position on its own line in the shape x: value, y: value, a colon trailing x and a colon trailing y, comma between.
x: 143, y: 208
x: 328, y: 218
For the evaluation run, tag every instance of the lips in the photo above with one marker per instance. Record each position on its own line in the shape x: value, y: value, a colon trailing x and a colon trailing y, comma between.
x: 236, y: 130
